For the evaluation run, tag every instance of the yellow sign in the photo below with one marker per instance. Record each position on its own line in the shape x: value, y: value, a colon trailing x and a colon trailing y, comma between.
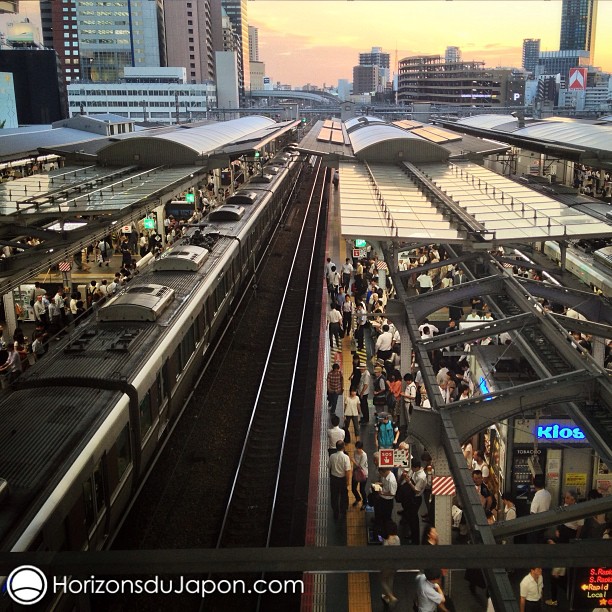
x: 575, y: 479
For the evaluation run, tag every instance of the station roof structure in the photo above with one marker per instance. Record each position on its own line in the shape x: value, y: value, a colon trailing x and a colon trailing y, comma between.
x: 373, y: 139
x: 589, y: 143
x: 452, y: 202
x: 189, y: 145
x: 69, y: 207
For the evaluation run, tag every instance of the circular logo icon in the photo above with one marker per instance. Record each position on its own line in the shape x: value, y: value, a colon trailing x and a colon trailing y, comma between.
x: 26, y: 585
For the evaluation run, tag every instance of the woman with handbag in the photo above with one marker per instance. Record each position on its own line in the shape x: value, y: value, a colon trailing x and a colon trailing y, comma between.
x: 360, y: 475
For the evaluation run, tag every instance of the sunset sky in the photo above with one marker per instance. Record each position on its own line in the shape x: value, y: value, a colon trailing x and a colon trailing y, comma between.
x: 317, y: 42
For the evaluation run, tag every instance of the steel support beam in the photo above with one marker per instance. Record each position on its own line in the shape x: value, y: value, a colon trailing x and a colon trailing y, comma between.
x: 587, y: 327
x: 480, y: 411
x: 433, y: 266
x: 426, y: 303
x: 490, y: 328
x: 333, y: 559
x: 557, y: 516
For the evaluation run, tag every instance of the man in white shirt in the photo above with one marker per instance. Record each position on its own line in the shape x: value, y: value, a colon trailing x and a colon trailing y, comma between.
x: 416, y: 480
x: 383, y: 507
x: 347, y: 270
x: 334, y: 434
x: 425, y: 283
x: 363, y: 391
x: 384, y: 343
x: 473, y: 316
x: 531, y: 591
x: 430, y: 596
x: 432, y: 328
x: 540, y: 503
x: 339, y: 480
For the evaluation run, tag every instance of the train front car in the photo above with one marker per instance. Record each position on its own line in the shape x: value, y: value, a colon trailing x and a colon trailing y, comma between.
x: 80, y: 427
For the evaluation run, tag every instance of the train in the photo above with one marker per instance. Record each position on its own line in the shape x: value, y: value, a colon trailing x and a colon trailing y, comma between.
x: 593, y: 270
x: 80, y: 427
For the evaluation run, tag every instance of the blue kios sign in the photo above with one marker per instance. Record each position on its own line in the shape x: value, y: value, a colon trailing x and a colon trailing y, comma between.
x: 559, y: 432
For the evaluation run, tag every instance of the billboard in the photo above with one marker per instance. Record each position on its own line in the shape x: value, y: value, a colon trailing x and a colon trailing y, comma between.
x: 577, y: 79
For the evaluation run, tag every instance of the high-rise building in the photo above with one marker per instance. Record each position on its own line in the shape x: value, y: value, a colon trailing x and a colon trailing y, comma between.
x: 96, y: 39
x: 452, y: 54
x: 366, y: 79
x: 375, y: 57
x: 531, y: 52
x: 39, y: 92
x: 578, y: 24
x: 236, y: 10
x: 189, y: 27
x: 560, y: 62
x: 253, y: 44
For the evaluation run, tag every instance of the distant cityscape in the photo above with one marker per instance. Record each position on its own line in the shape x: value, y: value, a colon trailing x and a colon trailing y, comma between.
x: 165, y: 61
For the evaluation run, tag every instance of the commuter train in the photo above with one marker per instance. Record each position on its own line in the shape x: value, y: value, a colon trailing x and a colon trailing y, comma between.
x: 595, y: 271
x: 79, y: 428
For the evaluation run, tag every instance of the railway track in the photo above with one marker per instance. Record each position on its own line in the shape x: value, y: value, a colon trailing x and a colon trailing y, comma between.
x: 183, y: 503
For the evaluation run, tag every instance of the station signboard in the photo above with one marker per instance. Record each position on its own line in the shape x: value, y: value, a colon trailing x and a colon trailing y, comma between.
x: 391, y: 457
x: 592, y: 588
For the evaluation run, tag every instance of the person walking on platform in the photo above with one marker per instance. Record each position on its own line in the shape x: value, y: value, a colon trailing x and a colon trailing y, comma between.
x: 352, y: 411
x: 430, y: 596
x: 334, y: 319
x: 339, y: 479
x: 348, y: 310
x: 531, y: 591
x: 387, y: 434
x: 334, y: 434
x: 334, y: 283
x: 361, y: 323
x: 335, y: 386
x: 363, y: 391
x: 347, y: 270
x: 387, y: 576
x: 360, y: 475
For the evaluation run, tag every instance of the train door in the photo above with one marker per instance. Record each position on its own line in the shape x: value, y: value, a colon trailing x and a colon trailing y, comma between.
x: 163, y: 387
x: 94, y: 498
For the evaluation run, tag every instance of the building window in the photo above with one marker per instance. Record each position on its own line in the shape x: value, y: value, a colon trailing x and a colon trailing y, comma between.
x: 189, y: 22
x: 190, y: 30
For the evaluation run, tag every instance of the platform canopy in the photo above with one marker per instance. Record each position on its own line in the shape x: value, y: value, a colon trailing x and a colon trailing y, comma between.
x: 447, y: 202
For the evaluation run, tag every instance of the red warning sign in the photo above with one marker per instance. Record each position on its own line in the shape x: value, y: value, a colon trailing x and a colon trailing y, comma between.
x: 577, y: 79
x: 386, y: 458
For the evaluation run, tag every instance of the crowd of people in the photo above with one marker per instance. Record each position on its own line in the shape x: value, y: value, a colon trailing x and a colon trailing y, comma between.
x: 357, y: 310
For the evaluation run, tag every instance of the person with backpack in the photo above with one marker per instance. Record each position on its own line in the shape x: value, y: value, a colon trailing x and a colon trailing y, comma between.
x: 387, y: 433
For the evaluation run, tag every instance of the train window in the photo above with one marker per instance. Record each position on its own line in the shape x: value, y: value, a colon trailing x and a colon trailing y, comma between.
x: 124, y: 455
x: 146, y: 420
x: 93, y: 496
x: 188, y: 346
x: 88, y: 499
x: 235, y: 269
x: 98, y: 481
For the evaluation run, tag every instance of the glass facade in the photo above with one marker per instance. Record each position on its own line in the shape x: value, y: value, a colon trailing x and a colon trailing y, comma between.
x: 578, y: 23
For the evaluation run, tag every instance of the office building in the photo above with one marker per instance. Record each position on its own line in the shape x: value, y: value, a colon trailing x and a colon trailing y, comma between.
x: 531, y: 53
x: 578, y: 25
x: 96, y: 39
x: 452, y: 54
x: 366, y: 79
x: 160, y: 95
x: 560, y: 62
x: 228, y: 96
x: 236, y: 11
x: 432, y: 79
x: 39, y: 91
x: 189, y: 27
x: 253, y: 44
x: 375, y: 57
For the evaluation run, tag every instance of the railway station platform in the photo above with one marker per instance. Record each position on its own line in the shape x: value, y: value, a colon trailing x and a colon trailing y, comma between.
x: 361, y: 592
